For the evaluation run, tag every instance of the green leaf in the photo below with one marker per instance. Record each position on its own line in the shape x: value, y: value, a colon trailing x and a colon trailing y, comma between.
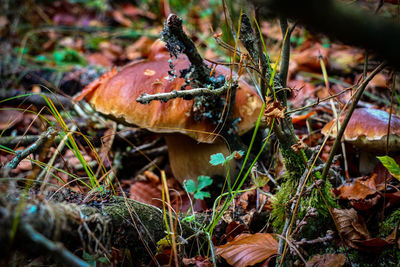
x: 201, y: 195
x: 190, y: 186
x: 391, y: 165
x: 203, y: 181
x: 103, y: 260
x: 190, y: 218
x: 217, y: 159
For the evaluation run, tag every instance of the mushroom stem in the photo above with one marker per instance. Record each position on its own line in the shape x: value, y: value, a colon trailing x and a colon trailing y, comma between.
x: 190, y: 159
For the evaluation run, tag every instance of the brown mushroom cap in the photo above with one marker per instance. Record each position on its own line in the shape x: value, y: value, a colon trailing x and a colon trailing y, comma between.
x: 115, y: 94
x: 367, y: 129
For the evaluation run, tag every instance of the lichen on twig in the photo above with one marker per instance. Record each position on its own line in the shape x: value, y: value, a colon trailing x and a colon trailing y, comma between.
x: 185, y: 94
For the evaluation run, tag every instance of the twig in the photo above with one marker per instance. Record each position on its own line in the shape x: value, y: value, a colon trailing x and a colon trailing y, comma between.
x: 311, y: 212
x: 284, y: 68
x: 328, y: 237
x: 346, y: 120
x: 249, y: 40
x: 26, y: 140
x: 318, y: 102
x: 57, y: 250
x: 178, y: 42
x: 186, y: 94
x: 32, y: 148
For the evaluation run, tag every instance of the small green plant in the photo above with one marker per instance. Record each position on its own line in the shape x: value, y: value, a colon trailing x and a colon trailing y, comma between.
x: 219, y: 159
x: 202, y: 182
x: 93, y: 259
x: 391, y: 165
x: 68, y: 56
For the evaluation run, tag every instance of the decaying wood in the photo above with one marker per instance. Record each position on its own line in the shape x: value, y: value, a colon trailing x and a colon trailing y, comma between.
x: 116, y: 223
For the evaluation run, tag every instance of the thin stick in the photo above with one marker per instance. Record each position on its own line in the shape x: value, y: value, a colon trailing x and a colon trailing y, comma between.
x: 186, y: 94
x: 32, y: 148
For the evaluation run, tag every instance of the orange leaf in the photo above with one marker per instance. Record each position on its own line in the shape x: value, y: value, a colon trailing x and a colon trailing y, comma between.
x: 248, y: 249
x: 301, y: 118
x: 359, y: 189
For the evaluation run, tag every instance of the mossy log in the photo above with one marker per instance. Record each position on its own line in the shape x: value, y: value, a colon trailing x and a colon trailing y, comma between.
x: 94, y: 228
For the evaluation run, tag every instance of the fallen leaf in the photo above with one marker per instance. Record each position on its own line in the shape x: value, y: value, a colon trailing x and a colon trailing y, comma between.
x: 121, y: 19
x: 393, y: 198
x: 301, y: 118
x: 298, y: 146
x: 110, y: 50
x: 146, y: 192
x: 344, y: 58
x: 351, y: 226
x: 273, y: 110
x: 302, y: 91
x: 140, y: 48
x: 99, y: 59
x: 132, y: 11
x: 358, y: 189
x: 233, y: 229
x: 197, y: 261
x: 332, y: 260
x: 365, y: 204
x: 248, y: 249
x: 308, y: 59
x: 24, y: 165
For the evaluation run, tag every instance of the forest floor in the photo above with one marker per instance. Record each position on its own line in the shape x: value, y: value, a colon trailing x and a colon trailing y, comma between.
x: 56, y: 150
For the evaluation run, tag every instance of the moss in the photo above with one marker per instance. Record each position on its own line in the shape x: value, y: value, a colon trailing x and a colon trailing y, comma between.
x: 294, y: 164
x: 390, y: 224
x: 358, y: 258
x: 314, y: 199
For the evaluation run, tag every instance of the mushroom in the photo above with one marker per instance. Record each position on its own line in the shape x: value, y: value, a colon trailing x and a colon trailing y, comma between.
x: 367, y: 130
x: 190, y: 142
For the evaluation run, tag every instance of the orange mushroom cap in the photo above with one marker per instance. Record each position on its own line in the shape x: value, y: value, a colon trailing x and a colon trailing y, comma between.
x: 368, y: 129
x: 115, y: 94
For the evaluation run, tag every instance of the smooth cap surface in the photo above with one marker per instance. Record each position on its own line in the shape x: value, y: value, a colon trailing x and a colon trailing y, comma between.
x: 368, y: 129
x: 115, y: 94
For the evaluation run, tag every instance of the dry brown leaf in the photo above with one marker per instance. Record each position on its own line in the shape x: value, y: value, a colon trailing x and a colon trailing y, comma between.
x: 298, y: 146
x: 99, y: 59
x: 121, y: 19
x: 133, y: 11
x: 110, y: 50
x: 146, y: 192
x: 365, y: 204
x: 308, y: 59
x: 332, y: 260
x: 197, y: 261
x: 301, y: 92
x: 248, y: 249
x: 140, y: 48
x: 24, y: 165
x: 343, y: 58
x: 351, y: 226
x: 393, y: 198
x: 359, y: 189
x: 373, y: 244
x: 274, y: 110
